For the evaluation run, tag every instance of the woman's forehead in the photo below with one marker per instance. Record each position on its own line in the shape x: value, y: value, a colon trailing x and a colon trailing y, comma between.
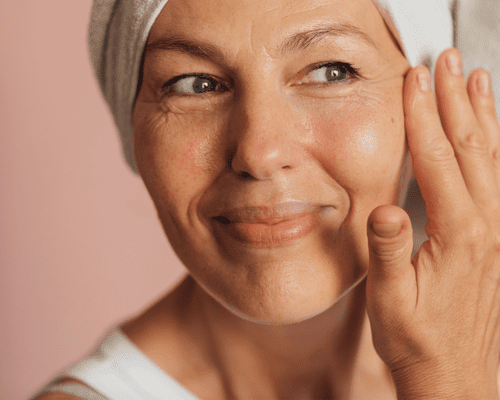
x: 265, y: 22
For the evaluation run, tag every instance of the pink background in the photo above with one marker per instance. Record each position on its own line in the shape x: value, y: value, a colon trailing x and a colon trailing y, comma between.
x: 81, y: 248
x: 80, y: 245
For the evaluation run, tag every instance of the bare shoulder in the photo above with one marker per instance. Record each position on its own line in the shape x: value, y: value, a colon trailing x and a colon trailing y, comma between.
x: 61, y: 396
x: 57, y: 396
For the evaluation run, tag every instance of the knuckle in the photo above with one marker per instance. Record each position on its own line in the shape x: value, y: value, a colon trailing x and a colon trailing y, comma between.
x: 479, y: 234
x: 478, y: 231
x: 474, y: 237
x: 495, y: 157
x: 440, y: 149
x: 473, y: 139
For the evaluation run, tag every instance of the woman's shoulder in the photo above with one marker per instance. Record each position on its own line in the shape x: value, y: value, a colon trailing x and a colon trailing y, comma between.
x: 148, y: 344
x: 134, y: 373
x: 57, y: 396
x: 69, y: 389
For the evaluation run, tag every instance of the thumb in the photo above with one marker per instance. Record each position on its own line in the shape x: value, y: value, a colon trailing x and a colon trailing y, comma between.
x: 391, y: 284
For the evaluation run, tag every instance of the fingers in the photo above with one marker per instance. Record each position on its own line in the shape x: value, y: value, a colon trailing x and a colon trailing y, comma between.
x: 462, y: 128
x: 455, y: 144
x: 434, y: 163
x: 480, y: 93
x: 391, y: 277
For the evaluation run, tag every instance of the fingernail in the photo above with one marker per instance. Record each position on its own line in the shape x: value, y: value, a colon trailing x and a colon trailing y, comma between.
x: 424, y: 81
x: 386, y: 230
x: 454, y: 63
x: 483, y: 83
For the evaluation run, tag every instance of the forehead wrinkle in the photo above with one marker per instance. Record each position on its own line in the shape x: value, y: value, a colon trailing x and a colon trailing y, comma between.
x: 300, y: 41
x: 192, y: 47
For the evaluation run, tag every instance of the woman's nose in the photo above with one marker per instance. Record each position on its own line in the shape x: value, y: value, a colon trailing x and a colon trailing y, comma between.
x: 267, y: 138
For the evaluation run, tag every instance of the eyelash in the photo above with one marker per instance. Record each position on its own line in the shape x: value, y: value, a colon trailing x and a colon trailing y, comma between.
x: 348, y: 67
x: 167, y: 87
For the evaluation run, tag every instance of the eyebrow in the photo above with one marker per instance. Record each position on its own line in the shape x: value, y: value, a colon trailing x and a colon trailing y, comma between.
x: 186, y: 45
x: 302, y: 40
x: 296, y: 42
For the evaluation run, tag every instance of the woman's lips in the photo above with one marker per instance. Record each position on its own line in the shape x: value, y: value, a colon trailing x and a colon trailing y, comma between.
x: 275, y: 226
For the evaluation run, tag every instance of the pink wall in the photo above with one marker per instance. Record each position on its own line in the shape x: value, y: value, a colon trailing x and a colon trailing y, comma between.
x: 80, y: 245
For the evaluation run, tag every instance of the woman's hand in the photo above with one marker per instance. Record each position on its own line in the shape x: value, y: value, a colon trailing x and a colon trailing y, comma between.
x: 435, y: 320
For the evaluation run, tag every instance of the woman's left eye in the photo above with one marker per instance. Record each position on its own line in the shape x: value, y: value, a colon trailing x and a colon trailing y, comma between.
x: 330, y: 73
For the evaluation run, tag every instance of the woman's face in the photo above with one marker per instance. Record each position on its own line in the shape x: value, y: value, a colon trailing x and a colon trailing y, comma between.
x: 266, y: 132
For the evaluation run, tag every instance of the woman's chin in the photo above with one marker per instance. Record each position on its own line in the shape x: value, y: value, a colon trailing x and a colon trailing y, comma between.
x: 285, y: 316
x: 277, y: 308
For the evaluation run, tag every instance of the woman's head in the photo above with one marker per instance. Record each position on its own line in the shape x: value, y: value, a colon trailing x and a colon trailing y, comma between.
x: 266, y: 132
x: 118, y: 32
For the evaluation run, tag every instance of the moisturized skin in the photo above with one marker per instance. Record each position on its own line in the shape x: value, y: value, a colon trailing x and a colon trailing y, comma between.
x: 271, y: 137
x: 264, y: 181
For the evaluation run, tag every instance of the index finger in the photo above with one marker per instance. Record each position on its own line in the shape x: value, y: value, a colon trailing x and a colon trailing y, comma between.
x: 435, y: 165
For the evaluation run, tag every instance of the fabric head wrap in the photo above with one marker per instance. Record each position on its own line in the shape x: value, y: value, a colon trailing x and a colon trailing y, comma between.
x: 119, y: 30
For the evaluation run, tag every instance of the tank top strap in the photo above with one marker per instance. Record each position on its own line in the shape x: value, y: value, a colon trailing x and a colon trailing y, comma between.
x: 120, y: 370
x: 73, y: 389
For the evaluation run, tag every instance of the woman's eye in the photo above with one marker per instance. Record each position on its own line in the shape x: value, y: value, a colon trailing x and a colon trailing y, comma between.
x: 192, y: 85
x: 330, y: 72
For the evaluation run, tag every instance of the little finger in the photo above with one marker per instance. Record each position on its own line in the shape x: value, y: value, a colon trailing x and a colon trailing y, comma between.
x: 483, y: 103
x: 464, y: 130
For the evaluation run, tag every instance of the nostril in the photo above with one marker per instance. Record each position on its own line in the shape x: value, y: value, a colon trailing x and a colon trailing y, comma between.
x: 286, y: 167
x: 244, y: 174
x: 222, y: 220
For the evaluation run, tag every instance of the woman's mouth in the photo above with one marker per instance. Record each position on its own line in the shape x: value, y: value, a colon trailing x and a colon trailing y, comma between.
x: 276, y: 226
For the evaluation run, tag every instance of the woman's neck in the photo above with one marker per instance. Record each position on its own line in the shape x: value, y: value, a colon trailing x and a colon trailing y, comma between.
x: 316, y: 358
x: 216, y: 354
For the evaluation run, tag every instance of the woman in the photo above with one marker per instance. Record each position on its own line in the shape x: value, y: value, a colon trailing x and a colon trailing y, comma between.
x: 272, y: 141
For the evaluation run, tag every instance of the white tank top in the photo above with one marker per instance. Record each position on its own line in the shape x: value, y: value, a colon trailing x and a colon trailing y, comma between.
x: 118, y: 370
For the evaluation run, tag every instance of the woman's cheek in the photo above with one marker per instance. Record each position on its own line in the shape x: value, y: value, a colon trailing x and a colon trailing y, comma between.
x: 198, y: 154
x: 362, y: 145
x: 185, y: 160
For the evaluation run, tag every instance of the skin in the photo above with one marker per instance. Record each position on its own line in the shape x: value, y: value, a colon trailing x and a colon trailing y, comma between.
x: 264, y: 319
x: 269, y: 139
x: 279, y: 135
x: 272, y: 139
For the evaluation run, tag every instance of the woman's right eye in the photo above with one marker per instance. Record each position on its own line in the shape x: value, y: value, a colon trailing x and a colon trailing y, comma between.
x: 195, y: 84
